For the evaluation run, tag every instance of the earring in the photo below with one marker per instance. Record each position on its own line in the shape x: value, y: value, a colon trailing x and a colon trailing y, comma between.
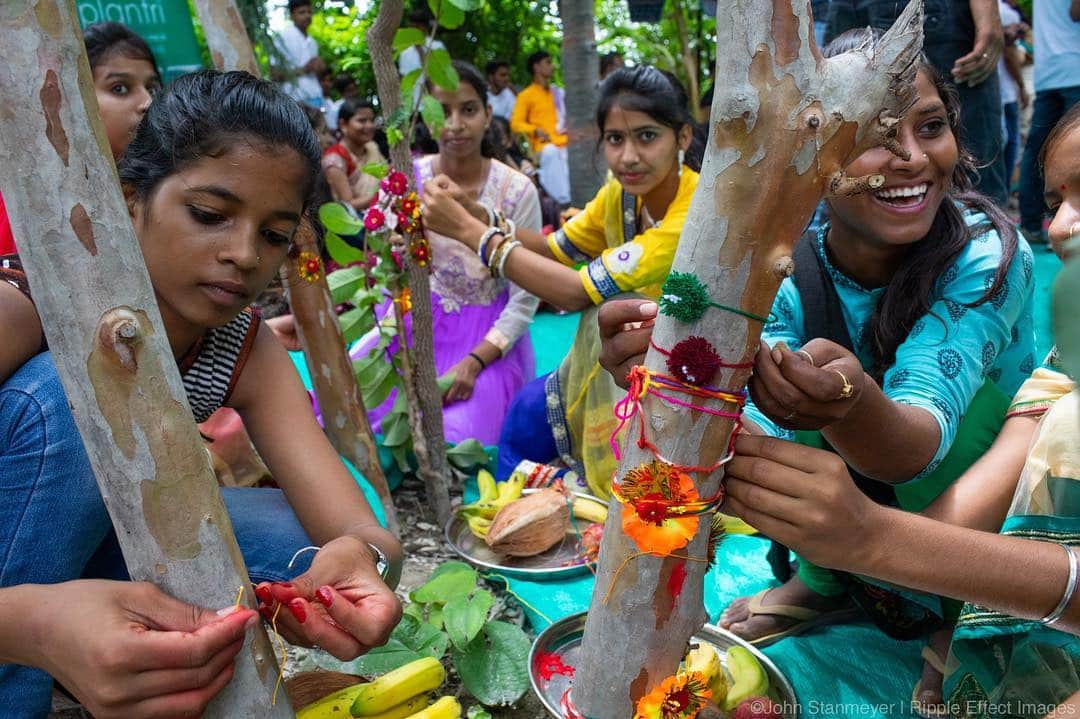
x: 925, y: 156
x: 682, y: 158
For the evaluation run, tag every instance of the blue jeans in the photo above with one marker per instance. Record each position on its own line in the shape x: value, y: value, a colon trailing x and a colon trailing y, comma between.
x: 1011, y: 121
x: 1049, y: 107
x: 53, y: 522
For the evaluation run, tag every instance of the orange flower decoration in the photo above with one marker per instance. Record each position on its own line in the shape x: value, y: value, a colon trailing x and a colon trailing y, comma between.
x: 309, y: 267
x: 650, y: 495
x: 682, y: 696
x: 405, y: 300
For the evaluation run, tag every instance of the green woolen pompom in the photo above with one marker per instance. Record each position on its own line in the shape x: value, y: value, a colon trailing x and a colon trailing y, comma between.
x: 684, y: 297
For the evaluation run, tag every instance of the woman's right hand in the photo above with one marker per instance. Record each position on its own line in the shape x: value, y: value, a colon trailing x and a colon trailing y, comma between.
x: 442, y: 213
x: 626, y: 326
x: 464, y: 198
x: 802, y: 498
x: 284, y: 329
x: 128, y: 650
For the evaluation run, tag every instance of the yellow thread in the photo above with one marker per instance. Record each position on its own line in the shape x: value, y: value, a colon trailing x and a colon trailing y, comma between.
x: 615, y: 577
x: 584, y: 389
x: 239, y: 596
x: 284, y: 656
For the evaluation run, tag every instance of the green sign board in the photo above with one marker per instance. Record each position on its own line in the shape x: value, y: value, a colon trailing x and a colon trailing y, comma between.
x: 164, y: 24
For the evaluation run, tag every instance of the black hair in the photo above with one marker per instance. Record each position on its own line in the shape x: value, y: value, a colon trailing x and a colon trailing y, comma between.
x: 351, y: 107
x: 504, y: 142
x: 342, y: 82
x: 645, y: 89
x: 910, y: 292
x: 203, y: 114
x: 1069, y: 121
x: 494, y: 65
x: 531, y: 60
x: 297, y: 4
x: 106, y: 40
x: 608, y: 61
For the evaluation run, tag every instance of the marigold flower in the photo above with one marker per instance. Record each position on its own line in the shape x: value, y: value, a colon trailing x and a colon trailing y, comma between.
x: 404, y: 300
x: 309, y: 267
x: 648, y: 494
x: 682, y: 696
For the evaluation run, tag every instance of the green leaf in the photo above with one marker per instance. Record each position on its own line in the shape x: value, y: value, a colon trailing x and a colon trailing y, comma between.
x: 446, y: 14
x: 338, y: 218
x: 411, y: 639
x: 444, y: 382
x: 452, y: 579
x: 494, y: 667
x: 441, y: 72
x: 378, y: 170
x: 373, y: 396
x: 407, y: 84
x: 395, y: 429
x: 365, y: 368
x: 464, y: 617
x: 401, y: 459
x: 408, y: 36
x: 432, y: 112
x: 476, y: 712
x: 386, y: 658
x: 355, y: 323
x: 421, y: 637
x: 413, y: 610
x: 467, y: 454
x: 394, y: 136
x: 466, y: 5
x: 341, y: 251
x: 345, y: 282
x: 398, y: 118
x: 436, y: 616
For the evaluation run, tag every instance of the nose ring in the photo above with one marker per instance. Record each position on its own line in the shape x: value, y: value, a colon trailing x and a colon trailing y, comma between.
x: 258, y: 258
x: 925, y: 156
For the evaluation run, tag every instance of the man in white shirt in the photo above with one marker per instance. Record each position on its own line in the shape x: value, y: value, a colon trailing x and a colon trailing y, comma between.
x: 300, y: 55
x: 1057, y: 88
x: 500, y: 95
x: 412, y: 57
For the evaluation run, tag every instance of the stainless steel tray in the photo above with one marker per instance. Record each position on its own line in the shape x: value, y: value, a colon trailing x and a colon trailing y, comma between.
x: 561, y: 561
x: 563, y: 638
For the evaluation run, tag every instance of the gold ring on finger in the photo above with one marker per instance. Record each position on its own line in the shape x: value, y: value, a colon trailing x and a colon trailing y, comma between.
x: 790, y: 415
x: 809, y: 357
x: 847, y: 389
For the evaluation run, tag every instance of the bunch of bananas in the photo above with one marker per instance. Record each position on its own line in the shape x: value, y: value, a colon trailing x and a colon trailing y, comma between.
x: 496, y: 495
x: 399, y: 694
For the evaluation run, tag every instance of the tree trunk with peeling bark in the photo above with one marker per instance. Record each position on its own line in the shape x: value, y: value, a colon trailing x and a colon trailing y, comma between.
x: 109, y: 343
x: 344, y: 416
x: 784, y: 124
x: 581, y: 72
x: 345, y: 419
x: 421, y: 388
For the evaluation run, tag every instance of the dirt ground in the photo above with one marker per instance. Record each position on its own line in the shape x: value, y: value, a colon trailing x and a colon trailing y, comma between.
x: 425, y: 549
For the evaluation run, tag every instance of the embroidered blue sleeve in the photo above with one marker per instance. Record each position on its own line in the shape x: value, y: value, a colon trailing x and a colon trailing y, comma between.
x: 568, y: 248
x: 954, y: 348
x: 786, y: 327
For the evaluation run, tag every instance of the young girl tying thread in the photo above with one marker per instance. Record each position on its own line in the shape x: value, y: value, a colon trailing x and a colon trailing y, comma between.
x: 896, y: 344
x: 1005, y: 536
x: 217, y: 180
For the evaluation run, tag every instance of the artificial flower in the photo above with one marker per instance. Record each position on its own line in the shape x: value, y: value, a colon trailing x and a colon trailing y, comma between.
x: 682, y: 696
x: 649, y: 494
x: 421, y: 252
x: 694, y: 361
x: 395, y: 183
x: 409, y: 205
x: 404, y: 300
x: 309, y: 267
x: 374, y: 219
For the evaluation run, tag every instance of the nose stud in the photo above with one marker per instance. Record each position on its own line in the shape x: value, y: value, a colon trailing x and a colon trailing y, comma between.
x: 925, y: 156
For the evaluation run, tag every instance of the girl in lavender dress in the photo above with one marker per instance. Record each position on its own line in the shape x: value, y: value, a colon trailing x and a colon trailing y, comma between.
x: 480, y: 323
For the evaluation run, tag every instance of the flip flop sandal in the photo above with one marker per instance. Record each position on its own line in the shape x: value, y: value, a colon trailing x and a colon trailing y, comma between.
x: 806, y: 619
x: 922, y: 709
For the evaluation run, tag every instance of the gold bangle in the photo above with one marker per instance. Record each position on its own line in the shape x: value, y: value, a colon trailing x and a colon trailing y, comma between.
x: 809, y: 357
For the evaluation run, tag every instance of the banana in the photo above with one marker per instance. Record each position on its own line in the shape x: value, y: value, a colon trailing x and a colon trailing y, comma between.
x: 493, y: 497
x: 486, y: 483
x: 336, y: 706
x: 589, y: 510
x: 445, y: 708
x: 392, y: 688
x: 706, y: 661
x: 748, y: 677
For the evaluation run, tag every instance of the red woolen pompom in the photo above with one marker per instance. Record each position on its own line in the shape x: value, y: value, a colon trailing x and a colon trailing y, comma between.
x: 694, y: 361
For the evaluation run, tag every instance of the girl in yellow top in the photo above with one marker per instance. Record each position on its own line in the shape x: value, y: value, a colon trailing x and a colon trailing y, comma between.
x: 623, y: 241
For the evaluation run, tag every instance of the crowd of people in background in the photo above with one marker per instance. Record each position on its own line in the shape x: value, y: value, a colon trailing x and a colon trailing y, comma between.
x: 911, y: 310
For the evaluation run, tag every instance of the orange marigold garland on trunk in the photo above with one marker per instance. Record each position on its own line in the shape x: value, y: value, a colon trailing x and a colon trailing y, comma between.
x: 682, y: 696
x: 652, y: 496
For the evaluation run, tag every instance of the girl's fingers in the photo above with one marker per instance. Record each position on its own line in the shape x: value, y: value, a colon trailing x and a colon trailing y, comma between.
x: 806, y: 460
x: 159, y: 682
x: 776, y: 529
x: 370, y: 625
x: 155, y: 649
x: 765, y: 499
x: 768, y: 475
x: 820, y: 385
x: 767, y: 372
x: 191, y: 703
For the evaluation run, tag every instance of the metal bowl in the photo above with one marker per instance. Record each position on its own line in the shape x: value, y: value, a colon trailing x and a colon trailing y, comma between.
x: 561, y: 561
x: 563, y: 638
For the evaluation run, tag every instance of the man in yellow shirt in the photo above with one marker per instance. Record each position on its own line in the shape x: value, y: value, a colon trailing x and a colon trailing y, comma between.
x: 539, y: 114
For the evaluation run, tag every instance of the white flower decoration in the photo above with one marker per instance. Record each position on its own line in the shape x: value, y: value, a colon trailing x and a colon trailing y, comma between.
x: 624, y: 259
